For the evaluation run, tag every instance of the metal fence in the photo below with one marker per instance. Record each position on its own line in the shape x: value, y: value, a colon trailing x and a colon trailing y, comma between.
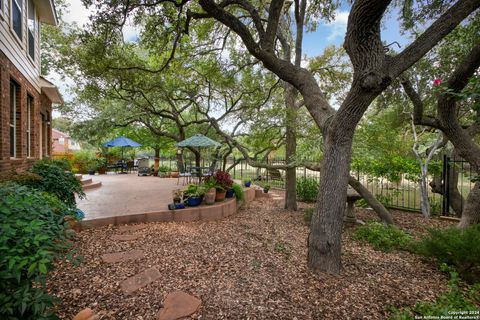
x: 403, y: 194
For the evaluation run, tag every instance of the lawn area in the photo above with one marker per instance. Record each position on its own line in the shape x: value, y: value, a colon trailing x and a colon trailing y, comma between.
x: 251, y: 265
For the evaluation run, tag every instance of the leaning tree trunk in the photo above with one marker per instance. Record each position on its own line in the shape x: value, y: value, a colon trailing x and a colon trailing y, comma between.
x: 471, y: 212
x: 290, y: 148
x: 376, y: 205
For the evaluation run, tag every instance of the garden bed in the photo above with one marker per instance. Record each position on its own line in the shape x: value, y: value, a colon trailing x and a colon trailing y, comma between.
x: 251, y: 265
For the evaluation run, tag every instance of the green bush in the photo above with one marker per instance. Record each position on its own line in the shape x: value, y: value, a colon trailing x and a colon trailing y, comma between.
x: 383, y: 237
x: 455, y: 299
x: 454, y: 247
x: 32, y: 235
x: 23, y: 178
x: 307, y: 189
x: 57, y: 181
x: 238, y: 190
x: 62, y: 163
x: 307, y: 215
x: 85, y: 160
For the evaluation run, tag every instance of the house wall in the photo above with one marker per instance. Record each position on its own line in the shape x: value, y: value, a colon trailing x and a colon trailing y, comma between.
x: 17, y: 51
x: 41, y: 105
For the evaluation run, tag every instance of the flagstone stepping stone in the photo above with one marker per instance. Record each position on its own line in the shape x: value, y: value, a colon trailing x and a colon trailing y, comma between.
x: 123, y: 256
x: 177, y: 305
x: 140, y: 280
x: 125, y: 237
x: 133, y: 228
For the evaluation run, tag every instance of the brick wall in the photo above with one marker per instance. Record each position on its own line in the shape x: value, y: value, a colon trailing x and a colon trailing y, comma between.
x: 41, y: 104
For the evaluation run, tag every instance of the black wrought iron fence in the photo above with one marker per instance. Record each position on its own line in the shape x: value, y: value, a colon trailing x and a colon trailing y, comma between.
x: 402, y: 194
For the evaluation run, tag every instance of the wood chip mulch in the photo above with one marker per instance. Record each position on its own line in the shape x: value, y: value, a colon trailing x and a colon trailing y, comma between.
x: 249, y: 266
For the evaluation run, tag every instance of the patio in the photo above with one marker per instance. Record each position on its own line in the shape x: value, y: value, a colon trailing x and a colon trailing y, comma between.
x: 128, y: 198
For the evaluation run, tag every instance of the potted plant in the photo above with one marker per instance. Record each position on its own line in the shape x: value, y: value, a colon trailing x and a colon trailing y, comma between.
x: 230, y: 193
x: 210, y: 186
x: 247, y: 182
x: 194, y: 195
x: 224, y: 182
x: 266, y: 187
x: 92, y: 167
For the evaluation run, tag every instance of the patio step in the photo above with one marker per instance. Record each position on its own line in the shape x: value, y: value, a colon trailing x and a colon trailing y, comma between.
x: 92, y: 185
x: 86, y: 181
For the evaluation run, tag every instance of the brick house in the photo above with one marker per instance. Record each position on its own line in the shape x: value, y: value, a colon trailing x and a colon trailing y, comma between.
x: 62, y: 143
x: 26, y: 98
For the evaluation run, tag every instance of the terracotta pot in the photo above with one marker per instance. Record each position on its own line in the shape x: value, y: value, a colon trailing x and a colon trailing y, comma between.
x: 102, y: 170
x: 220, y: 196
x: 174, y: 174
x: 210, y: 196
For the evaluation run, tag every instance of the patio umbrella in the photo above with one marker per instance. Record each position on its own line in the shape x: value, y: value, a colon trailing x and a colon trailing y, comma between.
x: 122, y: 142
x: 198, y: 141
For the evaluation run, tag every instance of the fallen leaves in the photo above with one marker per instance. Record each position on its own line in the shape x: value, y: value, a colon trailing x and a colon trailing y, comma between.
x: 248, y: 266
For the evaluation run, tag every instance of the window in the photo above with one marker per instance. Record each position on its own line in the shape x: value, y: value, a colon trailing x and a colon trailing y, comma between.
x: 29, y: 125
x: 61, y: 140
x: 17, y: 21
x: 32, y: 27
x: 14, y: 118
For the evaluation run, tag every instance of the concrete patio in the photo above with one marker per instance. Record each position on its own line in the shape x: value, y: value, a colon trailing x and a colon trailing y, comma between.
x: 128, y: 198
x: 125, y: 194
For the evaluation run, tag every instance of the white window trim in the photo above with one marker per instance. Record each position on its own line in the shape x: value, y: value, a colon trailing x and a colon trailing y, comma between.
x: 20, y: 41
x: 36, y: 23
x: 2, y: 10
x: 29, y: 126
x: 14, y: 124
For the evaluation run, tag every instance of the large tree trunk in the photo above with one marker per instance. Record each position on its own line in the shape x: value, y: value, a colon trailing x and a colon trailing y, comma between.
x: 290, y: 147
x: 455, y: 197
x: 471, y: 212
x: 156, y: 163
x: 180, y: 163
x: 324, y: 250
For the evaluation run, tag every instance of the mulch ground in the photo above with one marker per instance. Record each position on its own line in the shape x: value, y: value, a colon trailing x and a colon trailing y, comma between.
x: 249, y: 266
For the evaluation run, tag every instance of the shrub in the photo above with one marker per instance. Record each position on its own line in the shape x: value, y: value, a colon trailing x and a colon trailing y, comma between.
x: 62, y: 163
x: 454, y: 300
x: 383, y: 237
x: 57, y: 181
x: 307, y: 215
x: 84, y: 160
x: 238, y: 190
x: 307, y: 189
x: 23, y: 178
x: 32, y: 235
x: 454, y: 247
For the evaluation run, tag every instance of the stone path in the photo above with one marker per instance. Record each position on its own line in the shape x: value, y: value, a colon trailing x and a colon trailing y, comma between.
x: 140, y: 280
x: 123, y: 256
x: 178, y: 305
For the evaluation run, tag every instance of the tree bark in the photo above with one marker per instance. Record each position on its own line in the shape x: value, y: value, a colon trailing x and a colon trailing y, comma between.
x: 471, y: 214
x: 180, y: 163
x: 156, y: 163
x: 376, y: 205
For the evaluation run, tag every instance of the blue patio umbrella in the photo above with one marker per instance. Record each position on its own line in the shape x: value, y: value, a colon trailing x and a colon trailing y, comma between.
x: 122, y: 142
